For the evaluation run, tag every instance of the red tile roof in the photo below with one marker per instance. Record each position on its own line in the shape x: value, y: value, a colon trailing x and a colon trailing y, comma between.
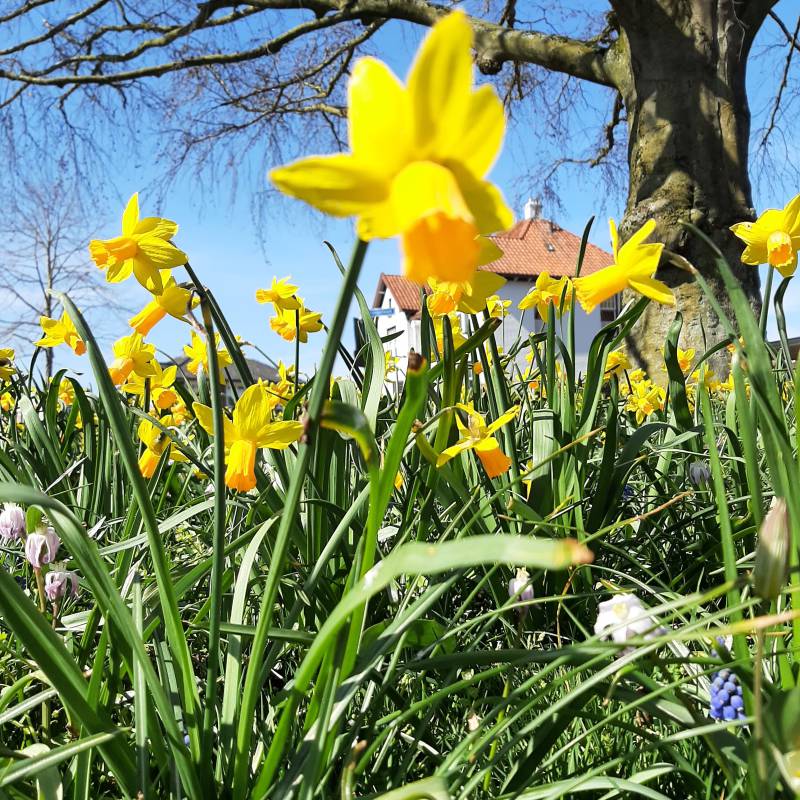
x: 534, y: 246
x: 404, y: 291
x: 531, y: 247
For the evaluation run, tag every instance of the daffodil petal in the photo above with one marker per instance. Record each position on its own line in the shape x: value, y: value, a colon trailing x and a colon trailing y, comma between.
x: 482, y: 286
x: 379, y: 111
x: 440, y: 84
x: 161, y: 254
x: 612, y: 228
x: 454, y: 450
x: 338, y: 185
x: 480, y: 142
x: 279, y: 435
x: 655, y: 290
x: 503, y: 419
x: 484, y: 200
x: 252, y: 411
x: 155, y: 226
x: 488, y: 251
x: 791, y: 216
x: 130, y: 216
x: 593, y: 289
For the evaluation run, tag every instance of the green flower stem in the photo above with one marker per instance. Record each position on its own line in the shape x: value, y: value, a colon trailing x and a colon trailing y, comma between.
x: 319, y: 393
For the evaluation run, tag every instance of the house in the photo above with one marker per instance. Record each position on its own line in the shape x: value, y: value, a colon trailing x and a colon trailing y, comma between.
x: 534, y: 245
x: 234, y: 385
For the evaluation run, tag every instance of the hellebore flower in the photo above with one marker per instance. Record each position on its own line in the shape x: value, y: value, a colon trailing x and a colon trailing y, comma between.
x: 12, y: 522
x: 774, y: 238
x: 477, y: 435
x: 419, y: 154
x: 61, y: 331
x: 634, y: 265
x: 250, y: 430
x: 143, y: 249
x: 41, y: 547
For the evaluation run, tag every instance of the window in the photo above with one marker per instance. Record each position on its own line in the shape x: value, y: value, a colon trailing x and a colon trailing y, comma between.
x: 609, y: 309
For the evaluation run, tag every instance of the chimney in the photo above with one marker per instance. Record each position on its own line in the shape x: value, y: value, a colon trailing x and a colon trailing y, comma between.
x: 533, y: 209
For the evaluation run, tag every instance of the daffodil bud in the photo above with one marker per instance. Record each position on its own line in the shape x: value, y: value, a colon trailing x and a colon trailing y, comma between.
x: 772, y: 552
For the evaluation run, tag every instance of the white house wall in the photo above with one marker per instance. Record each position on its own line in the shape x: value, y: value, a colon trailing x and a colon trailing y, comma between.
x: 586, y: 326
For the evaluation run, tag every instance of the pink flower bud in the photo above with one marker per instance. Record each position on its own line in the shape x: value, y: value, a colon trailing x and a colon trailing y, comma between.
x: 60, y: 583
x: 12, y: 522
x: 41, y: 547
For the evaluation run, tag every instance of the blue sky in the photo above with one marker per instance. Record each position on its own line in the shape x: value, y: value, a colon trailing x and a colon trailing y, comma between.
x: 235, y: 254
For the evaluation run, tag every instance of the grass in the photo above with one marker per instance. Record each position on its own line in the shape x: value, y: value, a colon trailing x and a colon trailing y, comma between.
x: 331, y: 635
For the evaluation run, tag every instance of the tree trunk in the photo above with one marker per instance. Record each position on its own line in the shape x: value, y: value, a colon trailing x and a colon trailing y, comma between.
x: 683, y: 86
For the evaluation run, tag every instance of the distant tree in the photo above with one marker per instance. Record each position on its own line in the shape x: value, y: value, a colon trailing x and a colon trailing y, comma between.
x: 43, y: 244
x: 264, y: 71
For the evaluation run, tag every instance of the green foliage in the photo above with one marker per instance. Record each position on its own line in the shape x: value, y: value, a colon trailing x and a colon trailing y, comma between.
x: 330, y: 634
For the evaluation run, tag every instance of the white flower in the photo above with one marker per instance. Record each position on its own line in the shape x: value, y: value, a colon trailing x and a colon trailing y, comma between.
x: 623, y: 617
x: 12, y: 522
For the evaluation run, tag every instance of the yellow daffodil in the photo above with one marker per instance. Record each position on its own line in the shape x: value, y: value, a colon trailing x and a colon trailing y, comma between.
x: 634, y: 265
x: 477, y: 367
x: 616, y: 363
x: 497, y: 307
x: 774, y: 238
x: 66, y: 392
x: 143, y: 249
x: 161, y: 382
x: 686, y: 359
x: 726, y: 386
x: 634, y: 376
x: 7, y: 368
x: 710, y: 380
x: 548, y: 291
x: 250, y: 429
x: 179, y: 412
x: 282, y: 294
x: 468, y: 297
x: 477, y: 435
x: 398, y: 481
x: 390, y: 363
x: 155, y: 441
x: 197, y: 353
x: 283, y: 389
x: 7, y: 402
x: 61, y: 331
x: 418, y: 158
x: 132, y: 355
x: 174, y: 300
x: 287, y: 322
x: 644, y: 398
x: 455, y: 327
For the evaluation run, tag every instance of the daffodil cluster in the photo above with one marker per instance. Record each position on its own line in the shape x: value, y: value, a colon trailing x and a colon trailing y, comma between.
x: 292, y: 319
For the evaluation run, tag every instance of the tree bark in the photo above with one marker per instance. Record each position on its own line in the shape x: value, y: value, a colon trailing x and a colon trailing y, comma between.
x: 682, y: 78
x: 688, y: 124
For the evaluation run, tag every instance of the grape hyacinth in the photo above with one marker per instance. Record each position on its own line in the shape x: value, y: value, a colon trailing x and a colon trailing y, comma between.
x: 726, y: 696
